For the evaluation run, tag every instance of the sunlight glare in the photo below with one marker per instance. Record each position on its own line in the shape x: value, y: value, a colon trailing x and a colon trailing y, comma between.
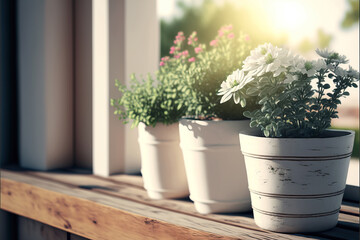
x: 288, y: 15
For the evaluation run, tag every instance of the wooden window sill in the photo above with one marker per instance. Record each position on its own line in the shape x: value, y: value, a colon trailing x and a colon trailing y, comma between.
x: 118, y: 207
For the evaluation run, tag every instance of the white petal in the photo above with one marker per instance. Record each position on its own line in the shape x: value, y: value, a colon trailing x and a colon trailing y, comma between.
x: 236, y: 98
x: 226, y: 97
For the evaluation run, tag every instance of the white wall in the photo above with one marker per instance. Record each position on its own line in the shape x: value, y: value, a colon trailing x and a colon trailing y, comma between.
x: 125, y: 41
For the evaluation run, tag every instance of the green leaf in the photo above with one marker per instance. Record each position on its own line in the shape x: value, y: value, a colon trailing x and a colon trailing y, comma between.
x: 326, y: 86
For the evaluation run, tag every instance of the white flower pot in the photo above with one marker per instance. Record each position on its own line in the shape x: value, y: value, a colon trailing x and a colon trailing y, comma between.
x: 297, y: 184
x: 162, y: 164
x: 214, y: 165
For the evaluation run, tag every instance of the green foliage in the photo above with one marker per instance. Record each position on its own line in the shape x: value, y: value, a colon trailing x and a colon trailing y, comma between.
x: 352, y: 15
x: 200, y: 81
x: 148, y: 102
x: 296, y: 109
x: 356, y: 149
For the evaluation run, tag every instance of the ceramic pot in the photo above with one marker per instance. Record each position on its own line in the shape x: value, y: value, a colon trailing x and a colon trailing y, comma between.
x: 214, y: 165
x: 297, y: 184
x: 162, y: 164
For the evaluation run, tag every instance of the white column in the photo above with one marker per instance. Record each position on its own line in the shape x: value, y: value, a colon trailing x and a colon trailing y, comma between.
x: 125, y: 40
x: 45, y: 58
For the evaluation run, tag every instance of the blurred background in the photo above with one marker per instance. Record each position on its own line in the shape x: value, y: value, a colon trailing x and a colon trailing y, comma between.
x: 300, y: 25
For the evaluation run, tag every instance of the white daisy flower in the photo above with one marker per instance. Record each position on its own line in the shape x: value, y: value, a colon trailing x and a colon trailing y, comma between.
x: 319, y: 64
x: 233, y: 83
x: 308, y: 67
x: 353, y: 73
x: 325, y: 53
x: 341, y: 72
x: 267, y: 58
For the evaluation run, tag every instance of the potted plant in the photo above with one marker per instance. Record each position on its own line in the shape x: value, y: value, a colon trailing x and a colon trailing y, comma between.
x: 151, y: 106
x: 296, y: 167
x: 214, y: 164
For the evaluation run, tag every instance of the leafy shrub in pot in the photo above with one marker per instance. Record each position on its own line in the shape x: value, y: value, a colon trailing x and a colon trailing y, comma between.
x: 214, y: 164
x: 297, y: 178
x: 150, y: 104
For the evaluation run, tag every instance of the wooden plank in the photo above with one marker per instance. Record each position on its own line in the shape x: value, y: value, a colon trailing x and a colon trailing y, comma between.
x: 339, y: 234
x: 98, y: 216
x: 138, y: 194
x: 29, y: 229
x: 350, y: 208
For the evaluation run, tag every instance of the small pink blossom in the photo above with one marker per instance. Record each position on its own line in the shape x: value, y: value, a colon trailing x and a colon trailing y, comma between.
x: 172, y: 50
x: 164, y: 59
x: 162, y: 63
x: 195, y: 39
x: 191, y: 59
x: 247, y: 38
x: 220, y: 33
x: 198, y: 49
x: 177, y: 56
x: 179, y: 38
x: 185, y: 53
x: 230, y: 35
x: 214, y: 43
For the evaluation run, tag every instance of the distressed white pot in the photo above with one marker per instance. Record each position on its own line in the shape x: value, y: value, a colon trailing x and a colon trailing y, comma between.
x: 297, y: 184
x: 214, y: 165
x: 162, y: 164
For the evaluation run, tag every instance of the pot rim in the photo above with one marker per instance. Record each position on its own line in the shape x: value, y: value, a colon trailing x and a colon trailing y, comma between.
x: 254, y: 133
x: 212, y: 120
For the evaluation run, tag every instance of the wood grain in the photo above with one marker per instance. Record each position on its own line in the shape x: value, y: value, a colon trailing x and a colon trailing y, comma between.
x: 126, y: 190
x: 127, y: 195
x: 97, y: 216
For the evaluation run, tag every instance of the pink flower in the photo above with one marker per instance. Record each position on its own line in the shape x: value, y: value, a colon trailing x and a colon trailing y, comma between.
x: 162, y: 63
x: 190, y: 42
x: 172, y: 50
x: 191, y: 59
x: 230, y: 35
x: 177, y: 56
x: 195, y: 39
x: 220, y: 33
x: 185, y: 53
x: 198, y: 49
x: 179, y: 39
x: 214, y: 43
x: 247, y: 38
x: 166, y: 58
